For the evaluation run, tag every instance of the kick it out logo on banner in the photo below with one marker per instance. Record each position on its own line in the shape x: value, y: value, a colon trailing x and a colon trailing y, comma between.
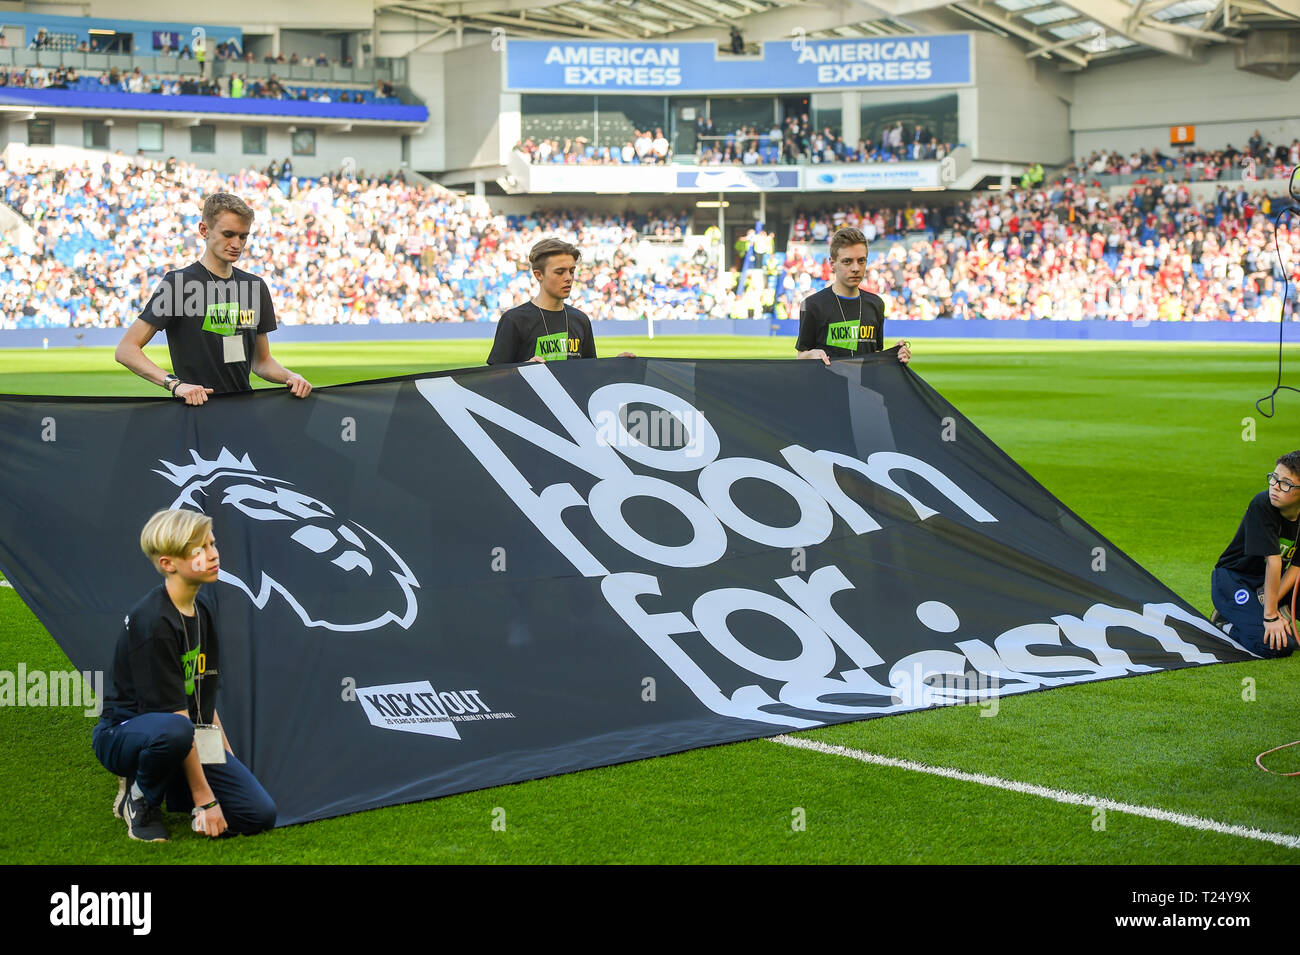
x: 419, y: 708
x: 273, y: 512
x: 599, y: 442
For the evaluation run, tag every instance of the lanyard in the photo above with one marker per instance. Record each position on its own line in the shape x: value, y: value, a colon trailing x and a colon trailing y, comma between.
x: 198, y: 642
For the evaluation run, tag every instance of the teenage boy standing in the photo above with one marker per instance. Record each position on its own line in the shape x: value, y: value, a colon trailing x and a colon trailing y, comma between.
x: 841, y: 321
x: 216, y: 317
x: 545, y: 328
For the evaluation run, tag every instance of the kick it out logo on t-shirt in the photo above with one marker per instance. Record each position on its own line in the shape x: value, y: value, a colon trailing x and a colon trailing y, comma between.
x: 557, y: 346
x: 226, y: 318
x: 848, y: 334
x: 195, y: 664
x: 1286, y: 548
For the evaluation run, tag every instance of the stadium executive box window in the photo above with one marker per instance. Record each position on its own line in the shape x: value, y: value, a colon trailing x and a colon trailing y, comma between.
x: 40, y: 132
x: 936, y: 116
x: 203, y: 139
x: 544, y: 116
x: 254, y: 140
x: 732, y: 113
x: 619, y: 117
x: 94, y: 134
x: 821, y: 118
x: 149, y: 137
x: 304, y: 142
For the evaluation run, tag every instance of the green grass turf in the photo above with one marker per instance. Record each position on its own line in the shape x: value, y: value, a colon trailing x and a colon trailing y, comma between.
x: 1143, y: 441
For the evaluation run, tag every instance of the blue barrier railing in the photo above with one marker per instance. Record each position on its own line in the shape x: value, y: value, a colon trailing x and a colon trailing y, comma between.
x: 73, y: 99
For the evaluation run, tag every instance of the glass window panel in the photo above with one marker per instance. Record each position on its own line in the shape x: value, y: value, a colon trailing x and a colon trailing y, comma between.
x: 730, y: 114
x: 620, y: 117
x: 94, y: 134
x: 937, y: 117
x: 560, y: 117
x: 821, y: 118
x: 203, y: 139
x: 149, y: 137
x: 254, y: 140
x: 40, y: 132
x: 304, y: 142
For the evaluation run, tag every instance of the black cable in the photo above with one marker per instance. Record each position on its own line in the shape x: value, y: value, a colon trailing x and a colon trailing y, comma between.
x: 1281, y: 323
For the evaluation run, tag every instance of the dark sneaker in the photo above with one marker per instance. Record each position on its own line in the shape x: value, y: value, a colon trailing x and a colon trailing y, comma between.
x: 119, y: 801
x: 143, y: 821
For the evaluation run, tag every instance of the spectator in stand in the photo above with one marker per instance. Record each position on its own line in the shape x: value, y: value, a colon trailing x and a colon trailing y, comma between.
x: 644, y: 146
x: 660, y: 147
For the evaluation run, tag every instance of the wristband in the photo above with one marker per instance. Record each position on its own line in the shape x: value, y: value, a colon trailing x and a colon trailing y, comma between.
x: 1272, y: 619
x: 170, y: 382
x: 198, y: 809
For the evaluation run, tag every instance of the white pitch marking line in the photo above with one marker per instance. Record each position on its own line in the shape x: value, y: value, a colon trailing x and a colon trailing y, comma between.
x: 5, y: 583
x: 1058, y: 795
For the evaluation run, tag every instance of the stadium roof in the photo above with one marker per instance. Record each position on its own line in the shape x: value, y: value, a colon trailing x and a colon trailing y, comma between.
x: 1077, y: 32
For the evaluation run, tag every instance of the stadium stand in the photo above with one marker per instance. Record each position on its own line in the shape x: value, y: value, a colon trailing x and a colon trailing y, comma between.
x: 342, y: 250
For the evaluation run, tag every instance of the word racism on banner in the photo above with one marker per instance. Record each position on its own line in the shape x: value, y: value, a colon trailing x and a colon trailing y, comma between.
x: 808, y: 478
x: 504, y: 556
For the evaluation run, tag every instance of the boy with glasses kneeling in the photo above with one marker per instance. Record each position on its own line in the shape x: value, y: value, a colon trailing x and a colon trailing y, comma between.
x: 1253, y: 581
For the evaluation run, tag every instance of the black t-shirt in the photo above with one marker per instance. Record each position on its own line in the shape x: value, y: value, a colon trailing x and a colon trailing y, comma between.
x: 1263, y: 532
x: 526, y: 331
x: 842, y: 326
x: 164, y: 663
x: 212, y: 324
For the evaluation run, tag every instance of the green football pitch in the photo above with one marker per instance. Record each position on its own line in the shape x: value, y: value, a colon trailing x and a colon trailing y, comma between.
x: 1157, y: 446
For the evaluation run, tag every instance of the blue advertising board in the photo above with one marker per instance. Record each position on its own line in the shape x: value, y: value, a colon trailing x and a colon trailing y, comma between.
x: 697, y: 66
x: 726, y: 178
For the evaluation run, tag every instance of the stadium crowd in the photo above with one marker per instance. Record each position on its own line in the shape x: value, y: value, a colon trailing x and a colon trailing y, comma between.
x: 231, y: 85
x: 168, y: 43
x: 1259, y: 160
x: 340, y: 249
x: 1067, y: 252
x: 796, y: 140
x: 793, y: 141
x: 333, y: 250
x: 642, y: 149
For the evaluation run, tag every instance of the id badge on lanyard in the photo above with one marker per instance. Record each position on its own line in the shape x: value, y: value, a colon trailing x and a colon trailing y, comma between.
x: 232, y: 348
x: 207, y: 740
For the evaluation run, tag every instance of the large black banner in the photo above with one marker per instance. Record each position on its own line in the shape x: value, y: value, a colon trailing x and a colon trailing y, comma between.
x: 440, y: 583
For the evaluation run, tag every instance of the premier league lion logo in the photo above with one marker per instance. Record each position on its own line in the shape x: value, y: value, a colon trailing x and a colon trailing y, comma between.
x: 333, y: 572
